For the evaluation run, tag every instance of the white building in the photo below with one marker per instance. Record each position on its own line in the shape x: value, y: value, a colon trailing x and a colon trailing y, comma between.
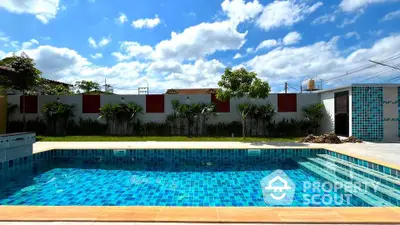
x: 367, y: 111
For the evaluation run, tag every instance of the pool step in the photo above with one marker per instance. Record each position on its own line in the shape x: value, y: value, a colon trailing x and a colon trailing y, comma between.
x: 383, y: 178
x: 367, y: 197
x: 388, y: 193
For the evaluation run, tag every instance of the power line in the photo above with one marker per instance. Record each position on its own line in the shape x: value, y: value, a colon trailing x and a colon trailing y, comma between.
x: 384, y: 64
x: 359, y: 69
x: 375, y: 74
x: 294, y: 88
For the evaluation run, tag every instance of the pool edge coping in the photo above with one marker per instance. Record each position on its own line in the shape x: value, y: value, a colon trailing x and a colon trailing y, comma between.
x: 201, y: 214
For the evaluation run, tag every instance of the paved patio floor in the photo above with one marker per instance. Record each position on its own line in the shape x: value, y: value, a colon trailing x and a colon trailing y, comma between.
x: 385, y: 152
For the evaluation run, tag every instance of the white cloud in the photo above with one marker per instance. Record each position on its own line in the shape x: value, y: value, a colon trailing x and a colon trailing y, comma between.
x: 4, y: 38
x: 122, y: 18
x: 2, y: 54
x: 103, y: 42
x: 391, y: 15
x: 249, y: 50
x: 44, y: 10
x: 239, y: 11
x: 352, y: 34
x: 326, y: 18
x: 133, y: 50
x: 322, y: 59
x: 353, y: 5
x: 375, y: 32
x: 92, y: 42
x: 146, y: 23
x: 29, y: 44
x: 292, y: 38
x: 285, y: 13
x: 201, y: 40
x: 164, y: 67
x: 67, y: 65
x: 96, y: 56
x: 267, y: 44
x: 348, y: 21
x: 237, y: 56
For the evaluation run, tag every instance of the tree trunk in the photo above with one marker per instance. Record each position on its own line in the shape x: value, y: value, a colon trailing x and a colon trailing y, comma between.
x: 23, y: 111
x: 257, y: 127
x: 251, y: 125
x: 244, y: 127
x: 264, y: 128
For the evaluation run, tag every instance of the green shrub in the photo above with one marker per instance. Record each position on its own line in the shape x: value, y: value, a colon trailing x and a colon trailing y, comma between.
x: 86, y: 127
x: 154, y: 129
x: 37, y: 126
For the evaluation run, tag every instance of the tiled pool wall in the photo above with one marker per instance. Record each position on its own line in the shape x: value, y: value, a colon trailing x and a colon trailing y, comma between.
x: 11, y: 168
x: 367, y: 113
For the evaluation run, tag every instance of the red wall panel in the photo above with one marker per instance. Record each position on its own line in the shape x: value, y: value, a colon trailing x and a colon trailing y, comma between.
x: 154, y: 103
x: 287, y: 102
x: 90, y: 103
x: 221, y: 106
x: 30, y: 104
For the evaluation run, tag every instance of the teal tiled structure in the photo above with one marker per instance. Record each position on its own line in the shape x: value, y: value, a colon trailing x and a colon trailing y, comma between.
x: 367, y: 113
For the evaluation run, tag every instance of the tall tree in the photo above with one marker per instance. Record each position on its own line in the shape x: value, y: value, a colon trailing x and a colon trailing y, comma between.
x: 27, y: 72
x: 239, y: 84
x: 85, y: 86
x: 108, y: 89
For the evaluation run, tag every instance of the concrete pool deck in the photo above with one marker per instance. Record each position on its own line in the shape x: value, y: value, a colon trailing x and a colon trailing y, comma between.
x: 387, y: 153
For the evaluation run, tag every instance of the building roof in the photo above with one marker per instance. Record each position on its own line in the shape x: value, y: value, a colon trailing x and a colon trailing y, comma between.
x: 192, y: 91
x: 7, y: 68
x: 58, y: 82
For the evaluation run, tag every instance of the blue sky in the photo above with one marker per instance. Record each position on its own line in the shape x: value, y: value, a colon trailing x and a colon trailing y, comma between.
x: 188, y: 44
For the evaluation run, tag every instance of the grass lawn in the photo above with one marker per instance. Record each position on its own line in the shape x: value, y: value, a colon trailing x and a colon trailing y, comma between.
x: 160, y: 138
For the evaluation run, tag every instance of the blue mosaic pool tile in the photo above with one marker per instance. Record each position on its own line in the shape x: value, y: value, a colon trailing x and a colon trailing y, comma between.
x: 144, y: 167
x: 380, y: 168
x: 367, y: 113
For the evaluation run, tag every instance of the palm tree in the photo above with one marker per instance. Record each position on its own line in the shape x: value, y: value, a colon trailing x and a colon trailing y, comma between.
x: 195, y: 110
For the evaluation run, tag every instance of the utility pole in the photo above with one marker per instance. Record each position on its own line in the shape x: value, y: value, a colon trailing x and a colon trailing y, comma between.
x: 286, y: 87
x: 301, y: 88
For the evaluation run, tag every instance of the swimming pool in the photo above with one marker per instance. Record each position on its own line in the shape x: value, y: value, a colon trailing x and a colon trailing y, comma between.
x: 170, y: 177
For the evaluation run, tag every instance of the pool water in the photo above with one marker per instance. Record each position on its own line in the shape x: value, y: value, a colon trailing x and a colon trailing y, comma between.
x: 205, y: 177
x: 204, y: 184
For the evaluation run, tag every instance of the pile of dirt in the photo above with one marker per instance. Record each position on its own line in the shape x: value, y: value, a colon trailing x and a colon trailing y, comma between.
x: 329, y: 138
x: 352, y: 139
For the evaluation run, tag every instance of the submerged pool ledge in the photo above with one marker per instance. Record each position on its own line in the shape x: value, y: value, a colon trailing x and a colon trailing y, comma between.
x: 200, y: 214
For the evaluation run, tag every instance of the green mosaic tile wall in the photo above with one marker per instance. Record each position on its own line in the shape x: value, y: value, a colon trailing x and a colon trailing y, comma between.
x: 367, y: 113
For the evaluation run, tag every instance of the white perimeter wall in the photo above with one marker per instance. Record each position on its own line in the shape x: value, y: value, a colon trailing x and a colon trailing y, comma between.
x: 328, y: 99
x: 303, y: 100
